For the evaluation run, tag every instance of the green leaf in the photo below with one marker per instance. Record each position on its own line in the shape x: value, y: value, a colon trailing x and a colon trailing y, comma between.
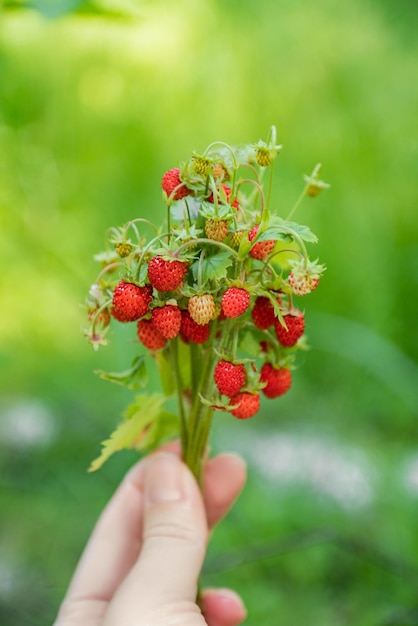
x: 213, y: 267
x: 138, y: 418
x: 287, y: 231
x: 250, y: 343
x: 134, y: 378
x: 162, y: 429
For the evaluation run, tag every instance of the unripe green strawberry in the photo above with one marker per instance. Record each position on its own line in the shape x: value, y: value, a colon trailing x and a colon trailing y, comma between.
x: 202, y: 165
x: 130, y: 302
x: 278, y: 380
x: 263, y: 156
x: 166, y: 274
x: 170, y: 181
x: 191, y: 331
x: 235, y: 301
x: 123, y: 249
x: 248, y: 405
x: 229, y: 377
x: 167, y: 320
x: 236, y: 238
x: 202, y: 308
x: 149, y: 336
x: 295, y: 323
x: 216, y: 229
x: 261, y: 249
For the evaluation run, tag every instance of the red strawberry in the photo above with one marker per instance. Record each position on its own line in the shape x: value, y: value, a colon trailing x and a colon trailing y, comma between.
x: 228, y: 192
x: 130, y: 302
x: 202, y: 308
x: 295, y: 323
x: 278, y: 380
x: 261, y: 249
x: 166, y: 274
x: 229, y: 377
x: 170, y: 181
x: 191, y: 331
x: 263, y: 313
x: 248, y: 405
x: 150, y: 336
x: 167, y: 320
x: 235, y: 301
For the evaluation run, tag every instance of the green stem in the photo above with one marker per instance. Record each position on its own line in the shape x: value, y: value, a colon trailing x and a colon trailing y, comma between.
x: 179, y: 388
x: 202, y: 240
x: 297, y: 203
x: 270, y: 188
x: 258, y: 187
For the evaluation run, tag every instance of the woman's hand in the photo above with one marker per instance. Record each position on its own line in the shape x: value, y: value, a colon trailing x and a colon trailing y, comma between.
x: 142, y: 563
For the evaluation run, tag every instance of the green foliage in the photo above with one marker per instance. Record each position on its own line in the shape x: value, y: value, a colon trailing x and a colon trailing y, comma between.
x: 133, y: 378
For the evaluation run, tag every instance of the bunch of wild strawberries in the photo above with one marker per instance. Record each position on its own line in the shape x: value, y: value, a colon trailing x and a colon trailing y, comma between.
x: 216, y: 284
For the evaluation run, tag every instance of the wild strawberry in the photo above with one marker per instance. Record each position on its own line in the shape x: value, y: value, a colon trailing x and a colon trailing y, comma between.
x: 229, y: 377
x: 295, y: 323
x: 167, y: 320
x: 248, y: 405
x: 202, y: 308
x: 216, y: 229
x: 261, y: 249
x: 166, y: 274
x: 278, y: 380
x: 263, y: 313
x: 123, y: 249
x: 235, y: 301
x: 149, y: 336
x: 191, y: 331
x: 304, y: 276
x: 220, y: 171
x: 264, y: 156
x: 237, y: 237
x: 170, y: 181
x: 228, y: 192
x: 202, y: 165
x: 130, y: 302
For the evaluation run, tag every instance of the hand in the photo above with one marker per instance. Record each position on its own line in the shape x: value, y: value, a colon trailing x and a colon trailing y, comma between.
x: 142, y: 563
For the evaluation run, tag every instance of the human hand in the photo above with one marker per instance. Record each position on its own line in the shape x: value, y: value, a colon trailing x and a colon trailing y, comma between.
x: 142, y: 562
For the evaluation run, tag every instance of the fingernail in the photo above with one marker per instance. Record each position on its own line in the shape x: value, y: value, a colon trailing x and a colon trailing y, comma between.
x: 163, y: 478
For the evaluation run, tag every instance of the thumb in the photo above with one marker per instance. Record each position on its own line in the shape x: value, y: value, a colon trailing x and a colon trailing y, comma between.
x: 174, y: 542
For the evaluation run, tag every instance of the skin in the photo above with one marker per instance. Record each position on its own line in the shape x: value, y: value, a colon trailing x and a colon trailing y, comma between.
x: 142, y: 562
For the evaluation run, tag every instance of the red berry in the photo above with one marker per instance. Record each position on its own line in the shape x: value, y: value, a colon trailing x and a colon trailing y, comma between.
x: 278, y: 380
x: 166, y: 274
x: 170, y: 181
x: 150, y: 336
x: 229, y: 377
x: 248, y: 405
x: 295, y: 323
x: 235, y: 301
x: 191, y: 331
x: 227, y: 191
x: 261, y: 249
x: 167, y: 320
x: 263, y: 313
x: 130, y: 302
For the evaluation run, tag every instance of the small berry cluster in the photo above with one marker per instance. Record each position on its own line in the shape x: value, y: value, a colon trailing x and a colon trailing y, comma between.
x: 215, y: 288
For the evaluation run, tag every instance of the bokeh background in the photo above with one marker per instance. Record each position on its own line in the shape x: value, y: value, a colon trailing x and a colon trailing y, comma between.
x: 97, y: 100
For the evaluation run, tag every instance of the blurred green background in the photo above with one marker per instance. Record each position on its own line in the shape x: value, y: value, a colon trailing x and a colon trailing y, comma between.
x: 97, y: 100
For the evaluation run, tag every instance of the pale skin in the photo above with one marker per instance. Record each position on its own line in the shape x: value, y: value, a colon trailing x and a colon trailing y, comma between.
x: 143, y: 560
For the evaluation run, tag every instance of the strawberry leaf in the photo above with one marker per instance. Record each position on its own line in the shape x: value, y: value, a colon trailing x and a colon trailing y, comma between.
x: 213, y: 267
x: 135, y: 377
x: 132, y: 431
x: 287, y: 231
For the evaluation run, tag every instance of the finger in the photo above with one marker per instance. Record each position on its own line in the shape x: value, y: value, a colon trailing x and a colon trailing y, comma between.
x: 223, y: 607
x: 110, y: 553
x: 174, y: 542
x: 224, y: 479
